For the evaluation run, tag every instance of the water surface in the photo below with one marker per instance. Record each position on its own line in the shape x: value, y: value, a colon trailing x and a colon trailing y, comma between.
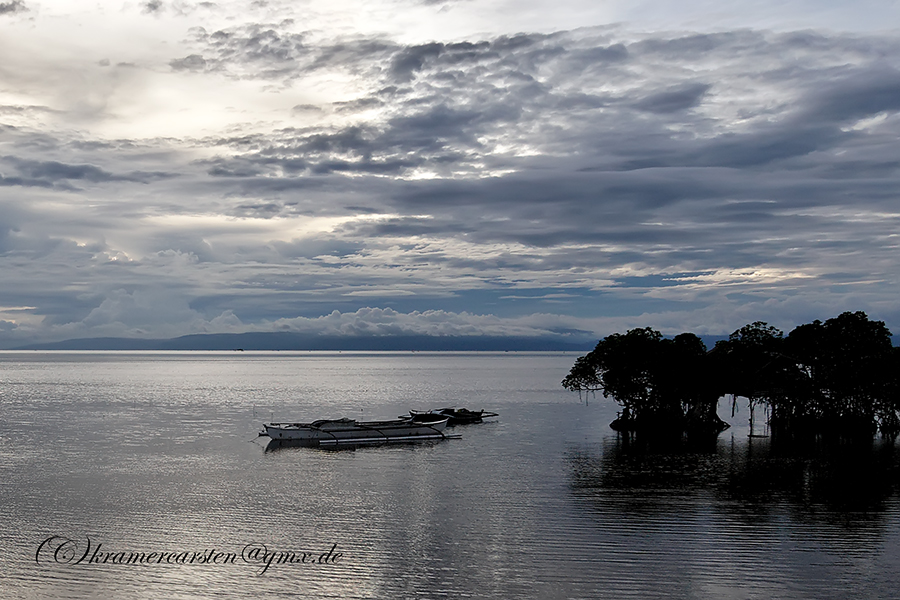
x: 157, y: 453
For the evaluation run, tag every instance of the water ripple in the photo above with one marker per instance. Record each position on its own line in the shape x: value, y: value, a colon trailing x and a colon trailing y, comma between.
x: 157, y: 453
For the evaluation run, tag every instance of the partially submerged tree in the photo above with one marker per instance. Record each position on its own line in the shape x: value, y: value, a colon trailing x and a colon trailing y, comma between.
x: 657, y: 381
x: 686, y: 381
x: 623, y: 366
x: 751, y: 363
x: 842, y: 374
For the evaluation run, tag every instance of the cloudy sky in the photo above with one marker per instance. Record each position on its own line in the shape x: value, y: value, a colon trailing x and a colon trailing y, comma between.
x: 564, y: 168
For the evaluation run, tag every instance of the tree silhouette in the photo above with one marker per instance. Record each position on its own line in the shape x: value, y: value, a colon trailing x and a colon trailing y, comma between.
x: 657, y: 381
x: 838, y: 375
x: 844, y: 374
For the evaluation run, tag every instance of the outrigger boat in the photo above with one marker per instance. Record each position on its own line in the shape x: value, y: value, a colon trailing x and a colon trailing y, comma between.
x: 351, y: 431
x: 457, y: 416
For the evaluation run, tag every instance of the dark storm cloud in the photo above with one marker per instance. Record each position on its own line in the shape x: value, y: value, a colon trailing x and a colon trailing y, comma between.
x: 408, y: 61
x: 314, y: 248
x: 253, y: 51
x: 53, y: 173
x: 152, y: 7
x: 817, y: 124
x: 696, y: 46
x: 271, y: 51
x: 601, y: 54
x: 443, y: 97
x: 194, y: 62
x: 677, y: 98
x: 550, y: 209
x: 859, y: 94
x: 680, y: 170
x: 446, y: 100
x: 12, y: 7
x: 22, y: 181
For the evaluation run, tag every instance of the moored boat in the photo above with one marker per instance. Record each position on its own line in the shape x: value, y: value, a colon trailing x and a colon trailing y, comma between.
x: 336, y: 431
x: 457, y: 416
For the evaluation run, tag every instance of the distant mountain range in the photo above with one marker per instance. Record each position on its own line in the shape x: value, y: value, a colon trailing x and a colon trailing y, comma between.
x: 296, y: 341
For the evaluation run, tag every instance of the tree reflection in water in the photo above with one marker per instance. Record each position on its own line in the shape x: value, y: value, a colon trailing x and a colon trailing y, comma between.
x: 833, y: 478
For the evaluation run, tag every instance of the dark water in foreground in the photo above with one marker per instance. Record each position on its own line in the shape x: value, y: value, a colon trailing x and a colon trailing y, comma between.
x: 156, y: 455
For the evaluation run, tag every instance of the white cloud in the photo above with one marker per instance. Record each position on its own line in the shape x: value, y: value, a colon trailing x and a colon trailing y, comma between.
x: 171, y: 168
x: 385, y: 322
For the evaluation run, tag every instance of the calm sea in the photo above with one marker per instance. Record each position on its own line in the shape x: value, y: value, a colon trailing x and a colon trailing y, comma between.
x: 140, y: 475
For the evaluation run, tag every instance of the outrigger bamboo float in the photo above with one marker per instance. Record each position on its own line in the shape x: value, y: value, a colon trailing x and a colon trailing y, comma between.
x: 325, y: 432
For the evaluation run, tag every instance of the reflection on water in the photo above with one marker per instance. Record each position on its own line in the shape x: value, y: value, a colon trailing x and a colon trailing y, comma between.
x: 278, y: 445
x: 159, y: 453
x: 812, y: 475
x: 757, y: 517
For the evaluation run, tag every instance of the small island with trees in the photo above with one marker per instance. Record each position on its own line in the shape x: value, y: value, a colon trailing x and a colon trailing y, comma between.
x: 840, y: 376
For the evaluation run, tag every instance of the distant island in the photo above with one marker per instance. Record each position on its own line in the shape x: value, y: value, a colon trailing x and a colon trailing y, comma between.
x: 840, y: 376
x: 286, y: 341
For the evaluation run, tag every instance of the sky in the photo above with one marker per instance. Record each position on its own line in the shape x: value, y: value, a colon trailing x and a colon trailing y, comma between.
x: 564, y: 169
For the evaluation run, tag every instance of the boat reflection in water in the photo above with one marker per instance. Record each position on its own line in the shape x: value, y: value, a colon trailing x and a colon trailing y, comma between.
x: 332, y: 432
x: 349, y: 445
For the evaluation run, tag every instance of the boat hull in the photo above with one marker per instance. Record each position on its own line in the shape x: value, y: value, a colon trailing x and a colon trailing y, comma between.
x: 349, y: 430
x: 457, y: 416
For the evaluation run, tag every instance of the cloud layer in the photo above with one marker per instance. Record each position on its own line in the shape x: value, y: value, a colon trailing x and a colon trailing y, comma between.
x: 249, y: 173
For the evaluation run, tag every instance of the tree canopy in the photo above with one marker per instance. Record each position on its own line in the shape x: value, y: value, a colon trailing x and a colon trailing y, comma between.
x: 840, y: 374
